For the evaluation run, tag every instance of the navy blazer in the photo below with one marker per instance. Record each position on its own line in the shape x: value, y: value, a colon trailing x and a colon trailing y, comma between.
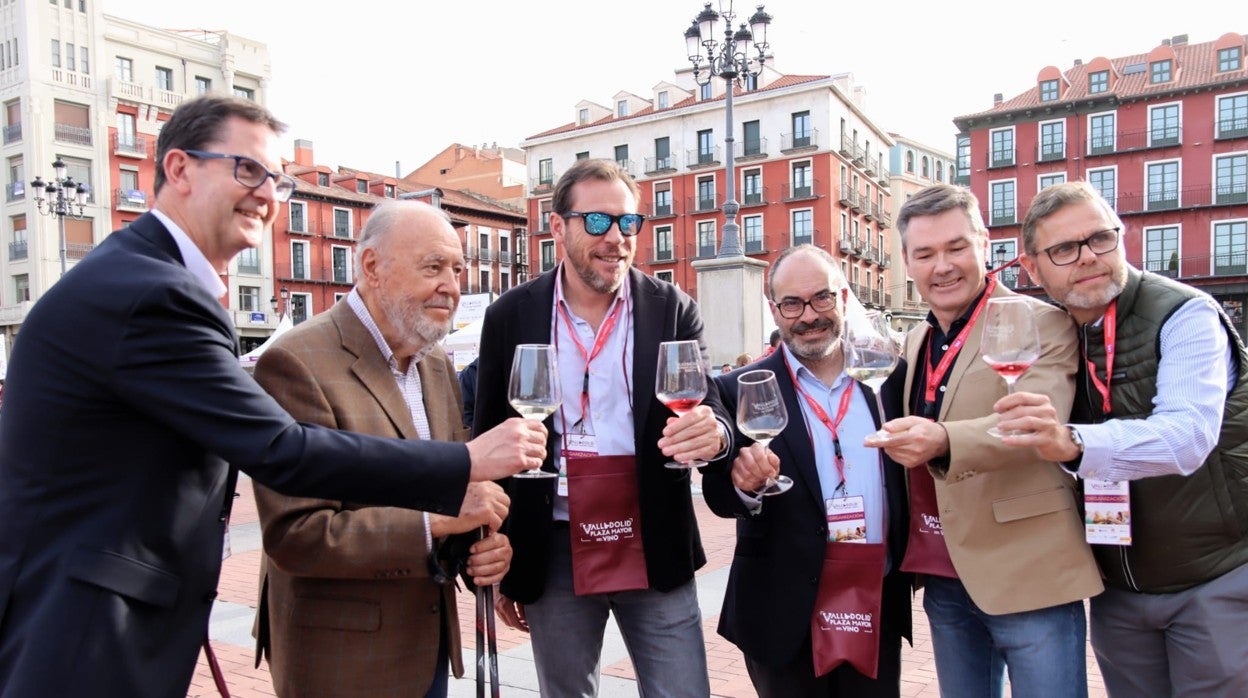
x: 669, y: 529
x: 778, y: 559
x: 126, y: 418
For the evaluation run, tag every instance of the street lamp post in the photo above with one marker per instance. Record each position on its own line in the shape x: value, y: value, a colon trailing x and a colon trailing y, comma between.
x: 729, y: 59
x: 63, y: 194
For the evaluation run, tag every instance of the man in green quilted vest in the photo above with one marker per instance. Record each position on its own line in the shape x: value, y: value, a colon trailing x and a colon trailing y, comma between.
x: 1159, y: 439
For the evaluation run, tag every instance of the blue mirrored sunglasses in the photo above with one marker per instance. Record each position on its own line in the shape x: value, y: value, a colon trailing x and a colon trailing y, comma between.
x: 598, y: 223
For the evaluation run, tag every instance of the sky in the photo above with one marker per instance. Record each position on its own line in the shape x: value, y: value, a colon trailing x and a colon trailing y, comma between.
x: 401, y: 80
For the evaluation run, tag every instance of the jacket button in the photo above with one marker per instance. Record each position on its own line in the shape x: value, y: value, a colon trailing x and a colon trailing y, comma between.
x: 814, y: 581
x: 433, y: 608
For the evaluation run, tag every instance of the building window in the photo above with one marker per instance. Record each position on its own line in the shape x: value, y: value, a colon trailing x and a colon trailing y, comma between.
x: 545, y: 172
x: 387, y: 190
x: 483, y: 276
x: 801, y: 129
x: 322, y: 179
x: 924, y: 172
x: 56, y: 53
x: 706, y: 193
x: 361, y: 186
x: 16, y: 188
x: 1098, y: 82
x: 621, y: 156
x: 249, y: 299
x: 543, y: 215
x: 70, y: 58
x: 803, y: 227
x: 18, y: 247
x: 940, y: 171
x: 1161, y: 250
x: 1233, y: 116
x: 706, y: 146
x: 300, y: 307
x: 1101, y: 133
x: 1002, y: 196
x: 704, y: 91
x: 298, y: 260
x: 124, y: 69
x: 801, y: 180
x: 504, y: 280
x: 752, y: 232
x: 342, y: 264
x: 663, y: 199
x: 342, y: 223
x: 582, y: 116
x: 1106, y: 182
x: 621, y: 108
x: 249, y: 261
x: 664, y: 100
x: 910, y: 159
x: 751, y: 139
x: 298, y: 217
x: 752, y: 186
x: 202, y: 85
x: 245, y: 93
x: 1163, y: 185
x: 1231, y: 178
x: 1048, y: 90
x: 1002, y: 148
x: 706, y: 238
x: 21, y: 287
x: 80, y: 171
x: 504, y: 248
x: 665, y: 275
x: 1230, y: 59
x: 1159, y: 71
x: 1163, y: 125
x: 164, y: 79
x: 662, y: 154
x: 663, y: 243
x: 1230, y: 245
x: 546, y: 250
x: 1052, y: 140
x: 583, y: 155
x: 1049, y: 180
x: 964, y: 159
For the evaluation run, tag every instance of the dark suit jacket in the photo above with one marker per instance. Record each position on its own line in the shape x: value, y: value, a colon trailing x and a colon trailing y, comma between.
x: 347, y: 604
x: 126, y: 416
x: 779, y: 555
x: 669, y: 530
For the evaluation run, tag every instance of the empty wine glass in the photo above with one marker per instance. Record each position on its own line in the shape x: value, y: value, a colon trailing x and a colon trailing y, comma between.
x: 870, y: 357
x: 761, y: 416
x: 680, y: 382
x: 534, y: 389
x: 1011, y: 341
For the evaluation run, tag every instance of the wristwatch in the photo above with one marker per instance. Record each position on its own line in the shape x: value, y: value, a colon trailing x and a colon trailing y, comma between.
x: 1073, y: 464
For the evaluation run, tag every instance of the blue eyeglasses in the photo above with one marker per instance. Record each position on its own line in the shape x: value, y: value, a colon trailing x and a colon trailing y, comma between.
x: 598, y: 223
x: 251, y: 174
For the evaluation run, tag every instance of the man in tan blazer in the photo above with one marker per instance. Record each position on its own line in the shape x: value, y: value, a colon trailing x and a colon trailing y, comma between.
x: 353, y: 601
x: 1006, y: 589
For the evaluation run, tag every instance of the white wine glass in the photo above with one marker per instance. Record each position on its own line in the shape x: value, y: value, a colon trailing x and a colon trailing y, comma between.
x: 534, y: 390
x: 870, y: 357
x: 761, y: 416
x: 1011, y: 341
x: 680, y: 383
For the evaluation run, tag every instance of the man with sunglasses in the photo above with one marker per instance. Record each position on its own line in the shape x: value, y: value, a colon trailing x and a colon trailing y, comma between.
x: 360, y: 600
x: 606, y: 320
x: 128, y: 419
x: 1157, y: 437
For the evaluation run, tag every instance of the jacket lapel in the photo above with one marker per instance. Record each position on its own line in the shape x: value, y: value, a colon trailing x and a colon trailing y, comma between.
x: 647, y: 324
x: 796, y: 435
x: 374, y: 374
x: 914, y: 362
x: 968, y: 356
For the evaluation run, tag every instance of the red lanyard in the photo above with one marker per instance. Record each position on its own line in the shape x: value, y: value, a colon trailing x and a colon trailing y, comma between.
x: 822, y: 415
x: 604, y: 333
x: 1110, y: 326
x: 937, y: 376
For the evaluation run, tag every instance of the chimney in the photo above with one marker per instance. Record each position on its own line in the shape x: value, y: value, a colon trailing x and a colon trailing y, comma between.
x: 1078, y: 62
x: 303, y: 152
x: 1179, y: 40
x: 1165, y: 42
x: 997, y: 99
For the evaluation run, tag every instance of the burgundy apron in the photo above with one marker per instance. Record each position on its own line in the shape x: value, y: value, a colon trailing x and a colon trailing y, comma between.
x: 604, y: 519
x: 845, y: 627
x: 926, y: 552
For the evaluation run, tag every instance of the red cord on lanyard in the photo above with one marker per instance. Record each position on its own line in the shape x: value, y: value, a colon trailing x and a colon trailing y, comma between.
x: 1110, y: 325
x: 822, y: 415
x: 936, y: 376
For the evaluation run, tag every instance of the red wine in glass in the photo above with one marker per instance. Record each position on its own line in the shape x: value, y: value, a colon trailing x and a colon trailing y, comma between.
x: 680, y: 382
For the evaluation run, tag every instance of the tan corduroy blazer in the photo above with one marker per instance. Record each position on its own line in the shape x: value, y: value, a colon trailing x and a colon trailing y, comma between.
x: 347, y: 605
x: 1010, y: 520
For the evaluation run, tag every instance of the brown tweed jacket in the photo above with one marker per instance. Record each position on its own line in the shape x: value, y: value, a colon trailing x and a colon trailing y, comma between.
x: 347, y: 605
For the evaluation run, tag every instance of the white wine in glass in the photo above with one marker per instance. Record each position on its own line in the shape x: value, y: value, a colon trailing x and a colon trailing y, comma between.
x: 761, y: 415
x: 1011, y: 341
x: 870, y: 357
x: 680, y: 382
x: 534, y: 390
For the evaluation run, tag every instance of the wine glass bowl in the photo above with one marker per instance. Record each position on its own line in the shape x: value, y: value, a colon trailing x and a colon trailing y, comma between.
x: 761, y: 416
x: 680, y: 383
x: 1011, y: 341
x: 870, y: 357
x: 534, y: 389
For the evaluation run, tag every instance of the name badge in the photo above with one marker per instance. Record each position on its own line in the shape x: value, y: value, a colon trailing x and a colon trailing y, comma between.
x: 575, y: 446
x: 1107, y: 512
x: 847, y: 520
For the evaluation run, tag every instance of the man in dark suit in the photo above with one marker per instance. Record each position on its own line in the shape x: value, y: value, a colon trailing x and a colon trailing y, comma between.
x: 779, y: 560
x: 349, y: 606
x: 607, y: 321
x: 128, y: 418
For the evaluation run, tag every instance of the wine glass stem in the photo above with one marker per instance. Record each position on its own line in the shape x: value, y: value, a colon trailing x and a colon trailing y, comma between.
x: 879, y: 405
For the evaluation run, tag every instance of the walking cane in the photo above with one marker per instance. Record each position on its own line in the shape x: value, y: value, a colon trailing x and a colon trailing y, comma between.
x: 487, y: 638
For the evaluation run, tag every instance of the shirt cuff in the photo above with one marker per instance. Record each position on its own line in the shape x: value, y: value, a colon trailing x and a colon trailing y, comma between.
x: 428, y: 535
x: 725, y: 435
x: 753, y: 503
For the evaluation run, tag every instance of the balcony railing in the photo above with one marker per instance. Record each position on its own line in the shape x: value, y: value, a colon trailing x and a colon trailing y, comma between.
x: 16, y: 190
x: 751, y: 149
x: 884, y: 176
x: 78, y: 250
x: 801, y: 192
x: 1170, y: 267
x: 17, y: 250
x: 1001, y: 216
x: 656, y: 164
x: 1001, y: 158
x: 700, y: 204
x: 12, y: 133
x: 804, y: 237
x: 1049, y: 152
x: 1225, y: 194
x: 755, y: 198
x: 1227, y: 128
x: 130, y: 145
x: 130, y: 199
x: 1170, y: 198
x: 542, y: 184
x: 73, y: 134
x: 799, y: 140
x: 847, y: 146
x: 666, y: 210
x: 303, y: 226
x: 698, y: 157
x: 1164, y: 136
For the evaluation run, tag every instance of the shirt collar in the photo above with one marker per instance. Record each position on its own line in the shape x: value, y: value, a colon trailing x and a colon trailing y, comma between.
x: 622, y: 294
x: 193, y: 257
x: 356, y: 302
x: 802, y: 373
x: 962, y: 320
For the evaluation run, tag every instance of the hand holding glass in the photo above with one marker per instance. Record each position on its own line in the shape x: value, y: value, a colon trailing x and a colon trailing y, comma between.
x: 870, y: 357
x: 534, y: 389
x: 761, y: 415
x: 1011, y: 342
x: 680, y: 383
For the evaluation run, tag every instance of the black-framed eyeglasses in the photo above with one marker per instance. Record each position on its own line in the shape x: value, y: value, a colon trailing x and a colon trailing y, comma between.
x: 1100, y: 242
x: 251, y: 174
x: 598, y: 223
x: 792, y: 308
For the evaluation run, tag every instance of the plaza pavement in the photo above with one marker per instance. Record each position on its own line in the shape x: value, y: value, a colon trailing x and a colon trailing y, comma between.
x: 233, y: 613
